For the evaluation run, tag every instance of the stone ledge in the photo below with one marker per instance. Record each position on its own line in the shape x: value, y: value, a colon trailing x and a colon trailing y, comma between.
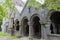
x: 54, y: 35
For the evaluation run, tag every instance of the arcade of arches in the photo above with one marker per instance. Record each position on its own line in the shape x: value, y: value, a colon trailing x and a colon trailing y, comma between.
x: 36, y: 26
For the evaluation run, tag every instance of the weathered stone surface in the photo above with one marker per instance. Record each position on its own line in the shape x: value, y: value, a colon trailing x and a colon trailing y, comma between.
x: 4, y: 25
x: 54, y: 37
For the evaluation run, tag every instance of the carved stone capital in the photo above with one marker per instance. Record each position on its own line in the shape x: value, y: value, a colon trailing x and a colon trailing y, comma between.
x: 20, y: 24
x: 43, y: 21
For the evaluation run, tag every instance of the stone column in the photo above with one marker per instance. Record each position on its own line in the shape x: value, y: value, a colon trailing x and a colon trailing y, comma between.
x: 43, y: 30
x: 47, y: 29
x: 30, y: 31
x: 11, y: 29
x: 21, y: 30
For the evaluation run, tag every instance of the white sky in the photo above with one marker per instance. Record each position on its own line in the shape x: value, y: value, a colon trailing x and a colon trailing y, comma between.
x: 24, y: 1
x: 40, y: 1
x: 2, y: 1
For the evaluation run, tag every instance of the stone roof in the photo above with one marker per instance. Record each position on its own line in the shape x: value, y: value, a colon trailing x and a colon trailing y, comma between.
x: 19, y: 5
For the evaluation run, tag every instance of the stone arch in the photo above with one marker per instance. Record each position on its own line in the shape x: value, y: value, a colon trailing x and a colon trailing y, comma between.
x: 25, y: 17
x: 55, y: 22
x: 36, y: 25
x: 25, y: 26
x: 49, y: 14
x: 34, y: 16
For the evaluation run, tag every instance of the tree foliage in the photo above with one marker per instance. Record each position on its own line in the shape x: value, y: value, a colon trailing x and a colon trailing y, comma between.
x: 49, y: 4
x: 52, y: 4
x: 34, y: 4
x: 3, y: 8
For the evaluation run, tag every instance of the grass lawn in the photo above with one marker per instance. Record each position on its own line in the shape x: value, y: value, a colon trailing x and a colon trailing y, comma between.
x: 6, y: 35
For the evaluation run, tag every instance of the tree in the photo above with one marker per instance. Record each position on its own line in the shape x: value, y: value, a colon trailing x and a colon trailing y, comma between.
x: 34, y: 3
x: 49, y: 4
x: 3, y: 7
x: 52, y: 4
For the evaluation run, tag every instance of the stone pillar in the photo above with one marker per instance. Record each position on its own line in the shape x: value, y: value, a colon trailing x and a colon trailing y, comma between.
x: 43, y: 30
x: 21, y: 30
x: 11, y: 29
x: 30, y: 31
x: 48, y: 28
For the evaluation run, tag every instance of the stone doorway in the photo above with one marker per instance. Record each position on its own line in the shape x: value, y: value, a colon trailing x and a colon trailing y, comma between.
x: 25, y: 27
x: 55, y: 19
x: 36, y: 27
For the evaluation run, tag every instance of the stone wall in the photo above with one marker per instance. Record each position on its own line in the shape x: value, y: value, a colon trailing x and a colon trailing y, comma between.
x: 54, y: 37
x: 4, y: 25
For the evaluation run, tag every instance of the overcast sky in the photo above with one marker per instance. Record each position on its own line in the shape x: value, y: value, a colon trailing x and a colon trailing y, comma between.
x: 2, y: 1
x: 40, y: 1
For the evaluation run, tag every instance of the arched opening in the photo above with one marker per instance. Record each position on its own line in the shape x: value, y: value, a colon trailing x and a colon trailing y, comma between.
x: 55, y: 19
x: 51, y: 28
x: 25, y: 27
x: 17, y: 25
x: 36, y: 27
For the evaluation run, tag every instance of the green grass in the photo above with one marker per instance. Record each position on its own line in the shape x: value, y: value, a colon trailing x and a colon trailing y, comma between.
x: 6, y: 35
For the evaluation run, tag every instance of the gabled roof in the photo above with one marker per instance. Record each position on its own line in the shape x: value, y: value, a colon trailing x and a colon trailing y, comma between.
x: 18, y: 2
x: 20, y: 7
x: 24, y: 6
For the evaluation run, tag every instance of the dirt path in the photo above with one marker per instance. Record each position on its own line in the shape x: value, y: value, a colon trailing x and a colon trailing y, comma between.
x: 24, y: 38
x: 4, y: 38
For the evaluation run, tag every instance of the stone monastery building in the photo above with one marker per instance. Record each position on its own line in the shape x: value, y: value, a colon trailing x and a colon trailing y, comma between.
x: 33, y: 22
